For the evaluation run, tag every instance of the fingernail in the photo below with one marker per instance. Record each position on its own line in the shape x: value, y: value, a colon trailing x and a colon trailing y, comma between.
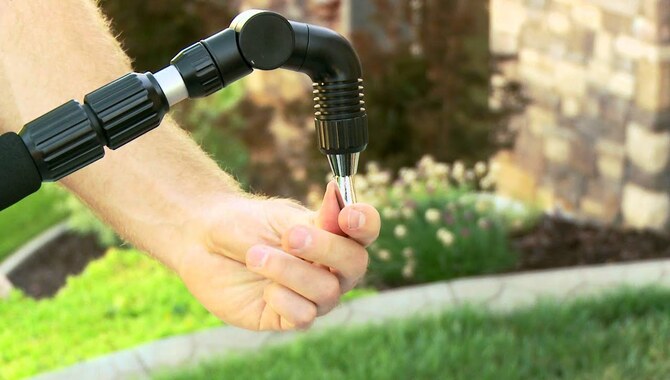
x: 299, y: 238
x: 257, y: 257
x: 356, y: 219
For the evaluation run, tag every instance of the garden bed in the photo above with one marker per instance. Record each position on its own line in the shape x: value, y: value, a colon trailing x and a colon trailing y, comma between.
x: 46, y: 271
x: 558, y: 242
x: 553, y: 243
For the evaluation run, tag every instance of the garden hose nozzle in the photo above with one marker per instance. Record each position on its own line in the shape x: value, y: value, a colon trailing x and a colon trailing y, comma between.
x: 74, y: 135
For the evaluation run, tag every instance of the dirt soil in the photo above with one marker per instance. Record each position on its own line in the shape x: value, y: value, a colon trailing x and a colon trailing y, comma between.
x: 558, y: 242
x: 47, y: 270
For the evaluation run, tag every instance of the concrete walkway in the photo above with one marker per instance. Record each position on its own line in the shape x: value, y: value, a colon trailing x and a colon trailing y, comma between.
x: 498, y: 293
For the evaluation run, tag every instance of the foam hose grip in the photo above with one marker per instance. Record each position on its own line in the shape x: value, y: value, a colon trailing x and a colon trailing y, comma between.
x: 19, y: 176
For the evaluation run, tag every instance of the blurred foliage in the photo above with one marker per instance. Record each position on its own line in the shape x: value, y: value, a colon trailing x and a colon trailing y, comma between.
x: 206, y: 120
x: 154, y: 31
x: 427, y: 82
x: 30, y: 217
x: 439, y: 224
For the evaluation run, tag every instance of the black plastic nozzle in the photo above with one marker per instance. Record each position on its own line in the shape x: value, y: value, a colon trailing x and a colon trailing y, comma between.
x: 265, y: 40
x: 74, y: 135
x: 62, y: 141
x: 127, y: 108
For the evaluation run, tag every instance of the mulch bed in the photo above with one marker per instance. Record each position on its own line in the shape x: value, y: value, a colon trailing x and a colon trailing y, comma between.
x: 559, y: 242
x: 555, y: 242
x: 47, y: 270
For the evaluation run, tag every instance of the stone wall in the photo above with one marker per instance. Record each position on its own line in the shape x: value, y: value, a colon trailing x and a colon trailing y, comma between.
x: 594, y: 139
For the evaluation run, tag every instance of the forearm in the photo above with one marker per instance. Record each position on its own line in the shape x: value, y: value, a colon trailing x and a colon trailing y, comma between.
x: 148, y: 190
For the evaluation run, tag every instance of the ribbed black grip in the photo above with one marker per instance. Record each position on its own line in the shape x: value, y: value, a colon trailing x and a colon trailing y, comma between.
x: 127, y: 108
x: 62, y: 141
x: 19, y: 176
x: 340, y: 118
x: 196, y: 66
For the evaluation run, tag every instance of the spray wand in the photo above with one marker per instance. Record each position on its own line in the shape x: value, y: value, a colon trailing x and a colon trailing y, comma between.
x: 74, y: 135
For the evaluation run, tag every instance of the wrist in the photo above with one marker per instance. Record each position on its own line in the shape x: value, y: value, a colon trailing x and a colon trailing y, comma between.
x: 186, y: 225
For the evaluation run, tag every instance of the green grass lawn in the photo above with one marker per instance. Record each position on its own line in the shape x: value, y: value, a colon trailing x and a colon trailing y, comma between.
x: 625, y: 335
x: 28, y: 218
x: 119, y: 301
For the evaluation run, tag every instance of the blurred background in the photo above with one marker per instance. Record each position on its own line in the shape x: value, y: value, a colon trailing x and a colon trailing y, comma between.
x: 505, y: 136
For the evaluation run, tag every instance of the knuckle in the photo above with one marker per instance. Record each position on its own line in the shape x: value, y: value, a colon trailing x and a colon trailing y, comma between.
x: 362, y: 260
x: 305, y: 319
x: 331, y: 290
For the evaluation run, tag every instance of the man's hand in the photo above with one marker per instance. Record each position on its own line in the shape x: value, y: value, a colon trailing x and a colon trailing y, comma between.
x: 274, y: 265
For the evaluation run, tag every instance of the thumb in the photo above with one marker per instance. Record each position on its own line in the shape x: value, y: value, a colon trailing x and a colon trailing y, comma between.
x: 329, y: 212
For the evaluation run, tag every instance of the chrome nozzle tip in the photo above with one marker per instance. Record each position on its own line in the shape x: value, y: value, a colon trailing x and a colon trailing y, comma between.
x: 344, y: 165
x: 344, y: 168
x: 346, y: 195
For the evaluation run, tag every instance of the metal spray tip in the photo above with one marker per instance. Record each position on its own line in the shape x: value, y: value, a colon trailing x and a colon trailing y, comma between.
x: 344, y: 167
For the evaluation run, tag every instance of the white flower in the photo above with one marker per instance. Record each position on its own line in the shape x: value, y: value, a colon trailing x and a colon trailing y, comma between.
x: 445, y: 237
x: 480, y: 168
x: 362, y: 183
x: 384, y: 255
x: 408, y: 270
x: 400, y: 231
x: 390, y: 213
x: 440, y: 171
x: 407, y: 212
x: 426, y: 162
x: 432, y: 215
x: 408, y: 252
x: 498, y: 80
x: 373, y: 167
x: 486, y: 183
x: 458, y: 171
x: 379, y: 178
x: 495, y: 102
x: 408, y: 175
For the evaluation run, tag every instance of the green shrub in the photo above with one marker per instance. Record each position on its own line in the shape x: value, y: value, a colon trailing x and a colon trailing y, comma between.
x: 437, y: 224
x: 427, y: 71
x: 216, y: 125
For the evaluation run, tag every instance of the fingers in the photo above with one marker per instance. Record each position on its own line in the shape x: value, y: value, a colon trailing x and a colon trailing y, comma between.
x: 294, y: 310
x: 310, y: 282
x: 361, y: 222
x: 348, y: 258
x: 326, y: 217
